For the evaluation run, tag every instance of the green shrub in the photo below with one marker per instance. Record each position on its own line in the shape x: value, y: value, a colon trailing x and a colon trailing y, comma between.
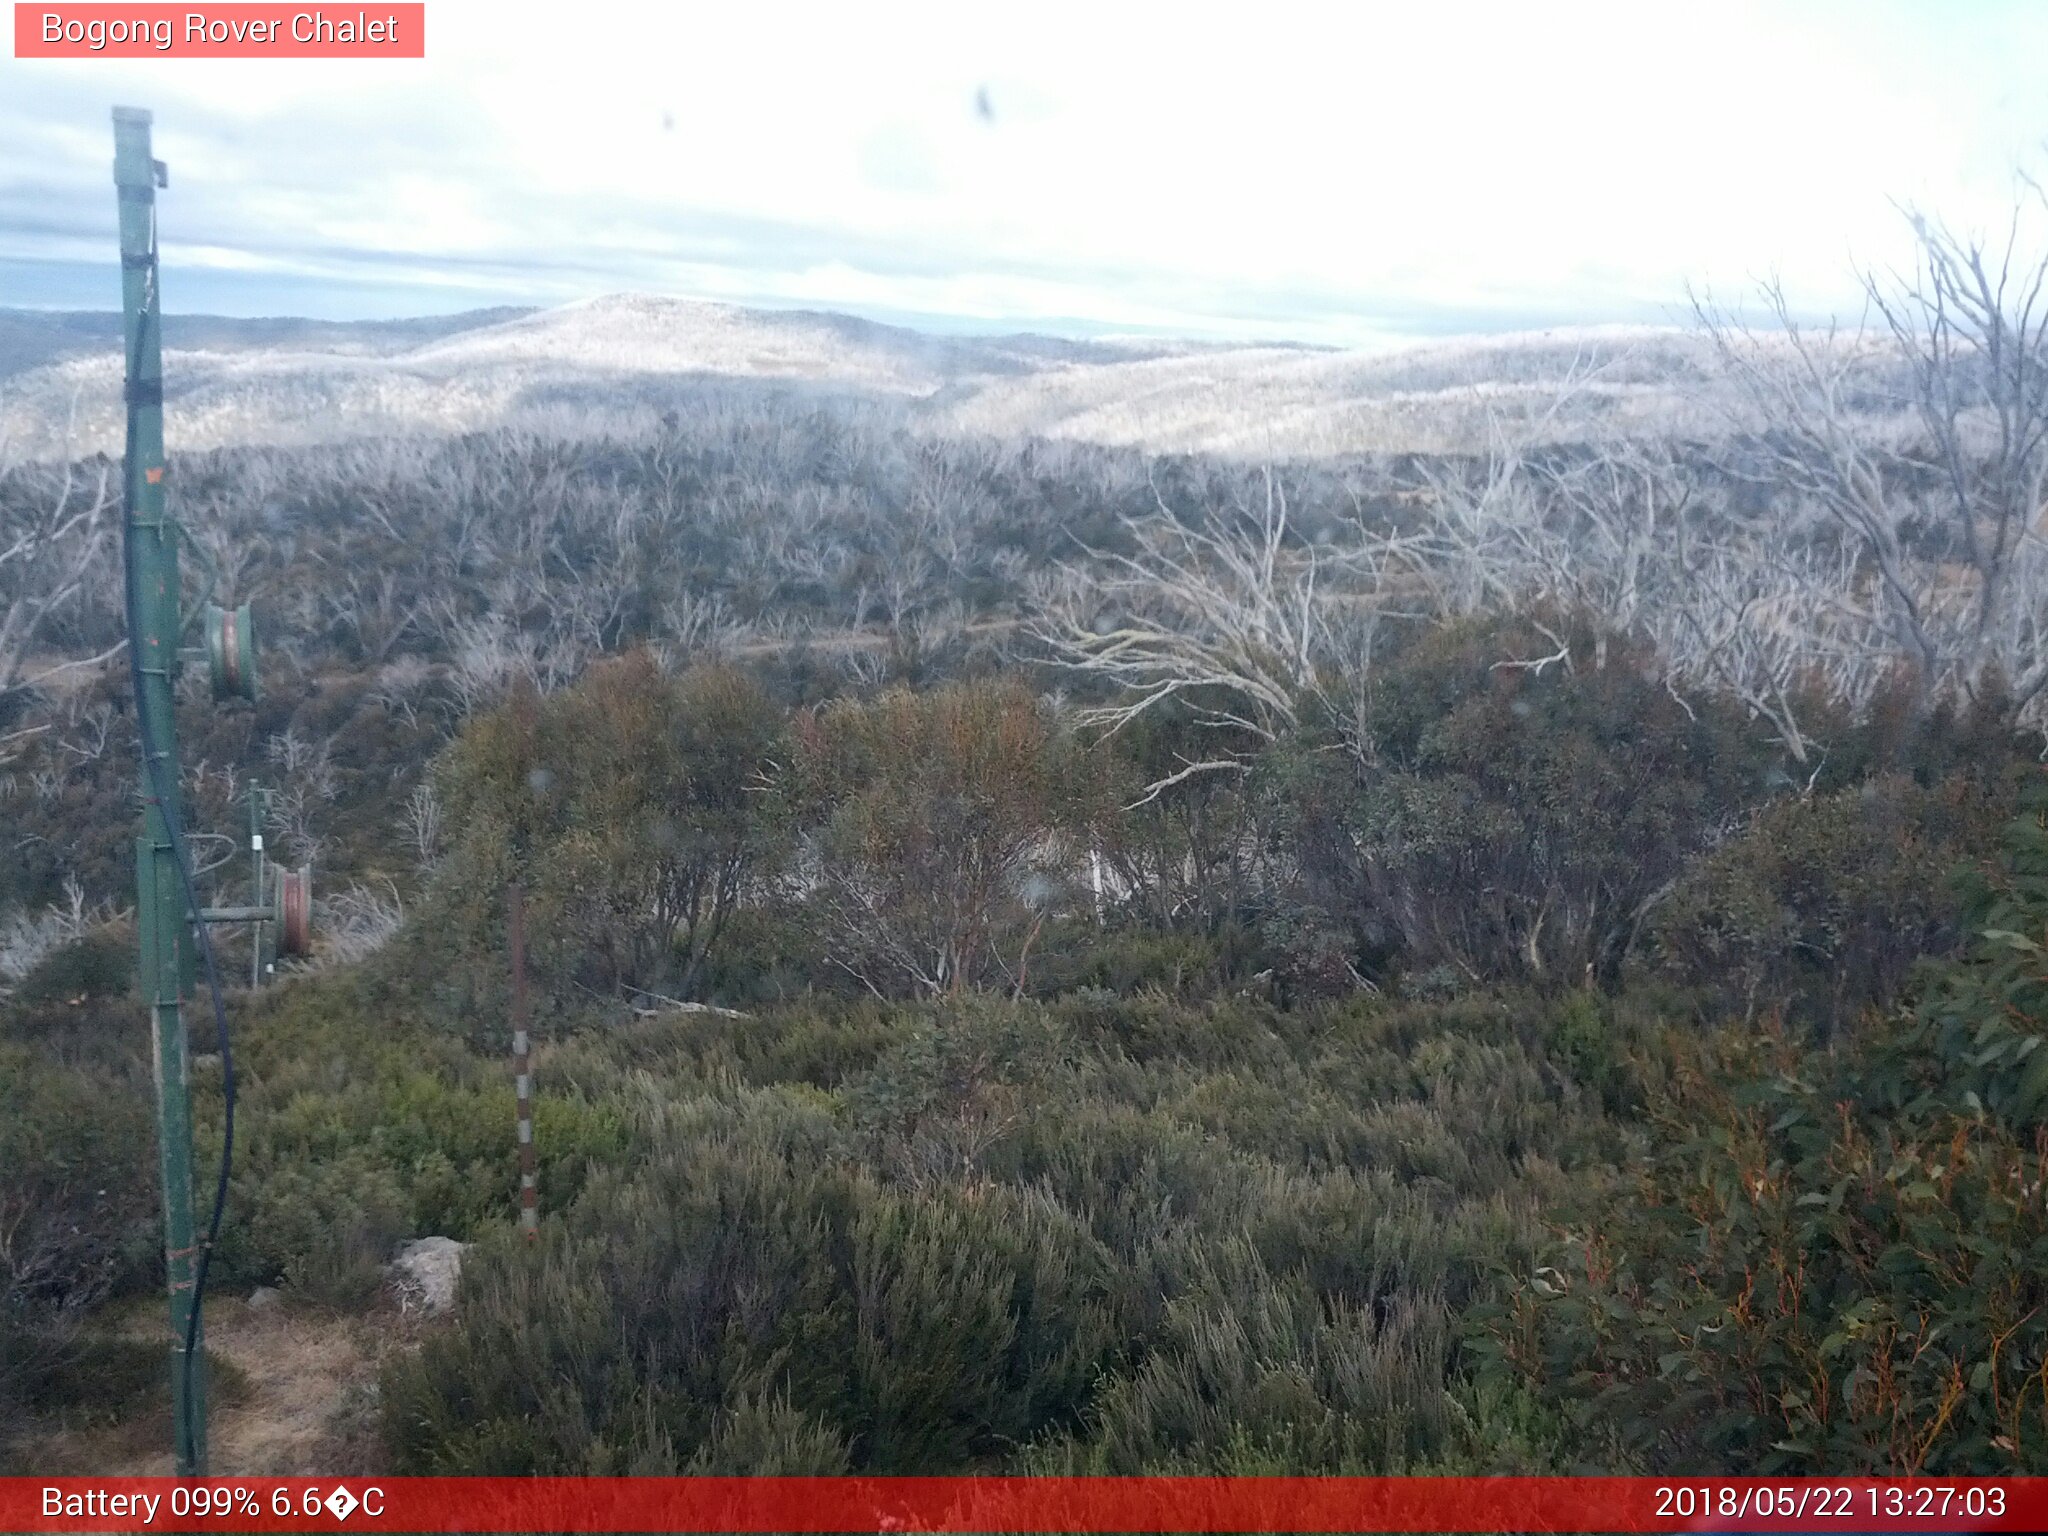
x: 1832, y: 1262
x: 77, y: 1212
x: 1822, y: 906
x: 944, y: 828
x: 765, y: 1437
x: 633, y: 806
x: 1507, y: 819
x: 100, y: 965
x: 732, y: 1271
x: 952, y: 1087
x: 324, y: 1228
x: 1255, y: 1372
x: 1176, y: 855
x: 1125, y: 958
x: 938, y: 1237
x: 357, y: 1130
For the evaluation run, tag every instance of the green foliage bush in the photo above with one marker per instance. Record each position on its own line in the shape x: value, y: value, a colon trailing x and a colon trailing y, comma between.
x: 635, y: 808
x: 1508, y: 805
x: 1822, y: 906
x: 1183, y: 854
x: 1151, y: 1175
x: 99, y: 966
x: 1126, y: 956
x: 1106, y: 1233
x: 944, y: 829
x: 76, y: 1212
x: 1252, y: 1372
x: 735, y: 1270
x: 1834, y: 1261
x: 358, y: 1128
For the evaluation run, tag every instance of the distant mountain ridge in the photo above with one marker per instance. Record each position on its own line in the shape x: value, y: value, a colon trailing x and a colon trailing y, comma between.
x: 31, y: 338
x: 230, y: 381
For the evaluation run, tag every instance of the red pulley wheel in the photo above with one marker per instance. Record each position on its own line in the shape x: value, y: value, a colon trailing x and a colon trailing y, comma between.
x: 295, y: 910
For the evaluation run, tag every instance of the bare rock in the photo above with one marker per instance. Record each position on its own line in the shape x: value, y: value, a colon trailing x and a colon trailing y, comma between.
x: 424, y: 1274
x: 265, y: 1299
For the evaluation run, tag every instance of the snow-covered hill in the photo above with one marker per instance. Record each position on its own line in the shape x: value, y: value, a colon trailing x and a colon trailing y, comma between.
x: 229, y: 382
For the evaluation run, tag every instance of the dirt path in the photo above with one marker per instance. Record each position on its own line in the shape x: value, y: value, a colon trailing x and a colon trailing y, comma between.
x: 307, y: 1405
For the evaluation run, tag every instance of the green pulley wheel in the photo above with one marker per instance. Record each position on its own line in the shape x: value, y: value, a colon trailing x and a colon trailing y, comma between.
x: 231, y: 652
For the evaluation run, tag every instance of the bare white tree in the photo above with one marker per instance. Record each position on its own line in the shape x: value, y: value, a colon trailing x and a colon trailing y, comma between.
x: 56, y: 529
x: 356, y: 922
x: 291, y: 816
x: 1224, y: 615
x: 421, y: 824
x: 693, y: 625
x: 1924, y: 441
x: 1776, y: 619
x: 373, y: 609
x: 26, y: 938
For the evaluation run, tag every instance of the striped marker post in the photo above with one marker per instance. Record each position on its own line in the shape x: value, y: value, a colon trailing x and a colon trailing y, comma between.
x: 522, y: 1069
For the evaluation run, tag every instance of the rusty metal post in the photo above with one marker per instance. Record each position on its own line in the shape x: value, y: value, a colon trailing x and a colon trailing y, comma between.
x: 522, y: 1068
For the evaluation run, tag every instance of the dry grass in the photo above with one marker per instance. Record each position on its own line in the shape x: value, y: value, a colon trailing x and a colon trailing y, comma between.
x: 305, y: 1405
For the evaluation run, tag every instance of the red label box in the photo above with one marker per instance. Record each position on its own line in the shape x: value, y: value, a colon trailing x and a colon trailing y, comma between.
x: 908, y: 1506
x: 237, y: 31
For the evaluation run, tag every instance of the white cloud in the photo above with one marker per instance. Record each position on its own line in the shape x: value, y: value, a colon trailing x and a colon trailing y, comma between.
x: 1335, y: 167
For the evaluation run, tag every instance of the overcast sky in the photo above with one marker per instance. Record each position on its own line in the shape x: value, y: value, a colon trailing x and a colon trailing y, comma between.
x: 1338, y: 173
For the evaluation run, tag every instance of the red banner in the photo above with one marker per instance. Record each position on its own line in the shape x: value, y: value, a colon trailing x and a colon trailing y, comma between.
x: 1022, y: 1504
x: 239, y: 31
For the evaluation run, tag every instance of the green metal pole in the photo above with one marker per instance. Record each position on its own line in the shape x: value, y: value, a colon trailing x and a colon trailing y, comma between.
x: 160, y: 901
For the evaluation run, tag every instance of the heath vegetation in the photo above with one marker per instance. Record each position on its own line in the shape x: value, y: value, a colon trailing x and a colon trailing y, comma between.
x: 1051, y: 957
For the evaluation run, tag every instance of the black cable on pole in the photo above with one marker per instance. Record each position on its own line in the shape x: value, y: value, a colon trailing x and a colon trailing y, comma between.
x: 167, y: 806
